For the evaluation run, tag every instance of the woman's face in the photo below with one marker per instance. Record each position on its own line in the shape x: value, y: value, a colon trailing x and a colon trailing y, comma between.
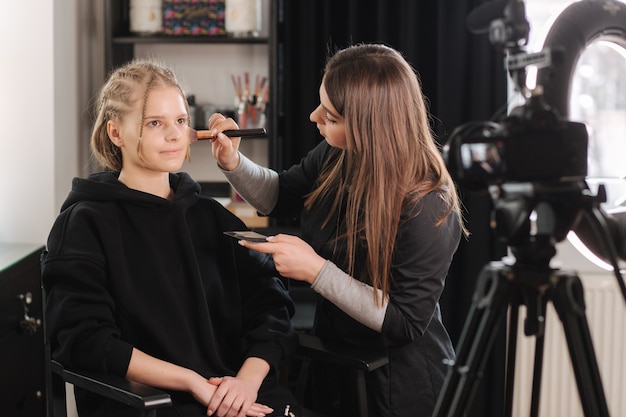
x: 328, y: 121
x: 164, y: 131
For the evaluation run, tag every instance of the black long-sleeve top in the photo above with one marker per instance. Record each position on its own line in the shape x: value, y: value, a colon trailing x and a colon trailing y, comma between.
x: 129, y: 269
x: 413, y: 334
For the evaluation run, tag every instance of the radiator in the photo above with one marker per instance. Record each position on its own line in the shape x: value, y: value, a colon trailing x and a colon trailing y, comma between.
x: 606, y: 314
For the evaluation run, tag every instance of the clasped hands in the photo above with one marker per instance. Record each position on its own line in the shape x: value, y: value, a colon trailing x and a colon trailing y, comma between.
x: 231, y: 397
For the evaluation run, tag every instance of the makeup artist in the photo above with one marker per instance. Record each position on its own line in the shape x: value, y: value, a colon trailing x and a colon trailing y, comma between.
x: 380, y: 221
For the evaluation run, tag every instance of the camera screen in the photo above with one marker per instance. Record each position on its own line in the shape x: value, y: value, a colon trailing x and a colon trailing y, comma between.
x: 480, y: 160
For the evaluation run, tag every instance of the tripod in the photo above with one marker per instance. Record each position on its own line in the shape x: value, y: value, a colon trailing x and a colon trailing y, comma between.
x: 533, y: 285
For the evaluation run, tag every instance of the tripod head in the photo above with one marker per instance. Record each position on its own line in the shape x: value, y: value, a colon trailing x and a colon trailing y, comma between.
x: 532, y: 217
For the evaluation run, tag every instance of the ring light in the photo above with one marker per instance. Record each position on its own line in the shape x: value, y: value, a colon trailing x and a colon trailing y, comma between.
x: 581, y: 26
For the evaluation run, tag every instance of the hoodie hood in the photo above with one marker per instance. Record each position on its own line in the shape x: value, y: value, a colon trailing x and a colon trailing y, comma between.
x: 104, y: 186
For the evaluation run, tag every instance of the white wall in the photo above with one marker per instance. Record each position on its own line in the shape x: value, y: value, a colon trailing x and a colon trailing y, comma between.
x: 47, y: 74
x: 27, y: 116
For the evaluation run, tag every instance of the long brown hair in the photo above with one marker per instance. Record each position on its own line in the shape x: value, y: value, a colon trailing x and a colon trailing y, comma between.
x: 391, y: 160
x: 122, y: 91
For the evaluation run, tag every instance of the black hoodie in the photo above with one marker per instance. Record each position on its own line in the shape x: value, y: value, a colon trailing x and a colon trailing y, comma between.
x: 129, y: 269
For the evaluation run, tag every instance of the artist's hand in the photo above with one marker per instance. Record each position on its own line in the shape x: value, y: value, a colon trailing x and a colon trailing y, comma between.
x: 225, y: 149
x: 293, y: 257
x: 235, y: 397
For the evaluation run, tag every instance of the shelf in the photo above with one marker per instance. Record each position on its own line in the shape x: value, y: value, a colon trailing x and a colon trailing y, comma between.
x: 129, y: 40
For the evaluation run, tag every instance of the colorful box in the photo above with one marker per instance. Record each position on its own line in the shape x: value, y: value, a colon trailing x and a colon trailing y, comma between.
x: 194, y: 17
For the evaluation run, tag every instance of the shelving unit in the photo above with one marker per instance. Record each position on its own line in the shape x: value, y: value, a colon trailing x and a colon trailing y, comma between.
x: 121, y: 45
x: 119, y: 41
x: 121, y: 48
x: 187, y: 39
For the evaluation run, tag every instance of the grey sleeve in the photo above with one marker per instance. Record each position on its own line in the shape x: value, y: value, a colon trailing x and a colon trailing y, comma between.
x: 256, y: 184
x: 354, y: 297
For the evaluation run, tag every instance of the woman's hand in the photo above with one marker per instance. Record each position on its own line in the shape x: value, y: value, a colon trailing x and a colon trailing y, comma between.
x: 223, y: 396
x: 293, y: 257
x: 225, y: 149
x: 235, y: 397
x: 202, y: 390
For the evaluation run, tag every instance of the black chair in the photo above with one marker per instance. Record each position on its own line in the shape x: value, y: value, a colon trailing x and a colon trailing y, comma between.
x: 147, y: 400
x: 353, y: 360
x: 141, y: 397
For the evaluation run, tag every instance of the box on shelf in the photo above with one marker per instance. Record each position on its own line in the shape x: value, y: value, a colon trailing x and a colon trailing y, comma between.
x: 240, y: 208
x: 248, y: 214
x: 223, y: 192
x: 194, y: 17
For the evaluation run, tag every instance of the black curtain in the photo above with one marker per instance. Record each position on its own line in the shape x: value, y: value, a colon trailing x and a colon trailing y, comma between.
x: 463, y: 79
x: 310, y: 29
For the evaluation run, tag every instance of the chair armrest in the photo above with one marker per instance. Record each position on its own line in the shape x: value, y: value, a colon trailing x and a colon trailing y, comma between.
x: 133, y: 394
x: 350, y: 356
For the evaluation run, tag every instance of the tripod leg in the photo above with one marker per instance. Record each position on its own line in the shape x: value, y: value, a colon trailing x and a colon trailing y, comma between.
x: 537, y: 310
x: 537, y: 374
x: 489, y: 304
x: 534, y: 324
x: 510, y: 360
x: 568, y: 298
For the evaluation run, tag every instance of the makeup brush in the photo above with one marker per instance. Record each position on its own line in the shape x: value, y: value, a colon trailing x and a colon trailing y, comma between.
x: 195, y: 135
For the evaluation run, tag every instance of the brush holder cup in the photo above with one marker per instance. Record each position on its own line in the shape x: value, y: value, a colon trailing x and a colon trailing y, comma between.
x: 251, y: 114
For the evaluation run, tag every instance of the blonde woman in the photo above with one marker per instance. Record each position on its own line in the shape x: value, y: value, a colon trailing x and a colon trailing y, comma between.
x: 142, y: 282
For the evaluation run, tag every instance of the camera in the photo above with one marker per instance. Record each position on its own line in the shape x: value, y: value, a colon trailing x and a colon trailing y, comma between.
x: 531, y: 143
